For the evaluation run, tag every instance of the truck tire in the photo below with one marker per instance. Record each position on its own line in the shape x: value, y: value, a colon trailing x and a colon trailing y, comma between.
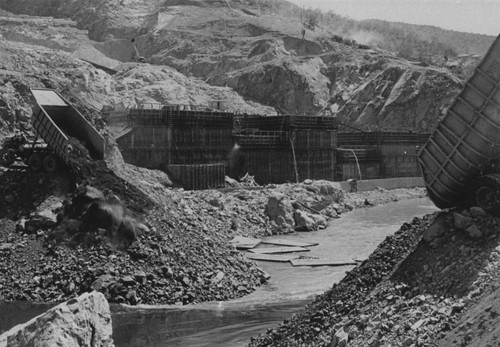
x: 35, y: 162
x: 487, y: 193
x: 7, y: 157
x: 50, y: 163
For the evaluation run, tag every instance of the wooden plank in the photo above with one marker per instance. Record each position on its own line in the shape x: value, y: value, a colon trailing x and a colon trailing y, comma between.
x: 274, y: 250
x: 241, y: 242
x: 271, y: 257
x: 290, y: 243
x: 322, y: 262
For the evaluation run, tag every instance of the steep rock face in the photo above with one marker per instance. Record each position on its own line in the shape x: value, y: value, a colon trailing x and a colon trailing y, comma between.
x: 401, y: 97
x: 293, y: 86
x: 84, y: 321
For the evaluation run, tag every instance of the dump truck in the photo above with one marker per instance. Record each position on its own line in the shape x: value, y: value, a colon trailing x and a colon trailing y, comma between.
x: 61, y: 135
x: 461, y: 161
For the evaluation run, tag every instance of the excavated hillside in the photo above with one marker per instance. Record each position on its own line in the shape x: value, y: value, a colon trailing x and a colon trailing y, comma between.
x: 262, y: 57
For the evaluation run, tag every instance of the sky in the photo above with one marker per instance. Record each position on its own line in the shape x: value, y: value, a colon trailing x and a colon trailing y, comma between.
x: 476, y: 16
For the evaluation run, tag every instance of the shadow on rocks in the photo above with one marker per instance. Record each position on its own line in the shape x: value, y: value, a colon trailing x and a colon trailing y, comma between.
x: 452, y: 254
x: 21, y: 190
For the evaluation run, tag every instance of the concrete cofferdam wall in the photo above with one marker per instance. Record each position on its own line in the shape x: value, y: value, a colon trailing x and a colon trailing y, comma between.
x: 274, y: 149
x: 379, y: 154
x: 284, y: 148
x: 184, y: 143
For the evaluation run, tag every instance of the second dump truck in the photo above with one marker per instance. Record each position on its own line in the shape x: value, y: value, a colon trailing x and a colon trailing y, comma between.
x: 461, y: 161
x: 61, y: 135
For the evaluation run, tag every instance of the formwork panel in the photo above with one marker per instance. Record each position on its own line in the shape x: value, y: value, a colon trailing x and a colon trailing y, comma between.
x: 369, y: 170
x: 316, y: 164
x: 268, y: 166
x: 198, y: 176
x: 400, y: 166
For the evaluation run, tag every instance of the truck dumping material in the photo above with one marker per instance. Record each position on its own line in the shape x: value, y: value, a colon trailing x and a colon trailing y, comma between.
x: 77, y: 143
x: 66, y: 132
x: 56, y: 120
x: 467, y: 141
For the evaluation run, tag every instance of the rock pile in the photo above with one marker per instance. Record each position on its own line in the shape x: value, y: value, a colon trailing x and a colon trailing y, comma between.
x: 182, y: 253
x: 412, y: 291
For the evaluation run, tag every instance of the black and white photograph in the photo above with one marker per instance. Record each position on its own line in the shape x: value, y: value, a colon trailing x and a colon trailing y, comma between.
x: 258, y: 173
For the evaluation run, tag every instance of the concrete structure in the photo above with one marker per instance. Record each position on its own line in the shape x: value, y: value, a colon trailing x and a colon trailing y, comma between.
x: 378, y: 154
x: 196, y: 146
x: 385, y: 183
x: 182, y: 140
x: 284, y: 148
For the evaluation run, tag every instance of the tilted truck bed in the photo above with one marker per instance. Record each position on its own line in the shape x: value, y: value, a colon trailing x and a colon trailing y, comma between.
x: 55, y: 120
x: 467, y: 138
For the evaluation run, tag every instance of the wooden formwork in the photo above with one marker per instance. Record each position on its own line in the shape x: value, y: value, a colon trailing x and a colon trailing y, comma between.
x: 314, y: 139
x: 284, y: 123
x: 266, y: 165
x: 316, y: 164
x: 198, y: 176
x: 400, y: 166
x: 177, y: 116
x: 369, y: 170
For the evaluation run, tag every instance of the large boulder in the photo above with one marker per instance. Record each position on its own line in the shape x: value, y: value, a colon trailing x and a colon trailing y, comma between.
x: 327, y: 193
x: 83, y: 321
x: 279, y: 209
x: 304, y: 221
x: 435, y: 230
x: 328, y: 188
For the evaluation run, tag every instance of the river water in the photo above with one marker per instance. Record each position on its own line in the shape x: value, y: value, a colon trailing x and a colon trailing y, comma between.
x: 231, y: 324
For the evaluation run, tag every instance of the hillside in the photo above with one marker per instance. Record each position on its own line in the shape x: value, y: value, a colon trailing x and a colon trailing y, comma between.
x: 439, y: 39
x: 239, y: 47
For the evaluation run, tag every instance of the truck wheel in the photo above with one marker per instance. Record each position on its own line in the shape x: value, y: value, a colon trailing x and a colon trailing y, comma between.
x: 35, y: 162
x: 487, y: 199
x: 487, y: 193
x: 7, y: 157
x: 50, y: 163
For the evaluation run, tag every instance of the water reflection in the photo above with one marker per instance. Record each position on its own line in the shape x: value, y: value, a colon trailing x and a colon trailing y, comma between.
x: 197, y: 327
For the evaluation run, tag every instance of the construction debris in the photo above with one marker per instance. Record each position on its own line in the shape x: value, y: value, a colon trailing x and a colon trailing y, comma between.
x: 322, y: 262
x: 271, y: 257
x: 279, y: 250
x: 289, y: 243
x: 241, y: 242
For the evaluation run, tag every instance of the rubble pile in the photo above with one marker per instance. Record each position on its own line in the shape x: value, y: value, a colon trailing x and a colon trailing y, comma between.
x: 21, y: 191
x: 412, y: 291
x: 175, y: 266
x: 179, y: 250
x: 346, y: 297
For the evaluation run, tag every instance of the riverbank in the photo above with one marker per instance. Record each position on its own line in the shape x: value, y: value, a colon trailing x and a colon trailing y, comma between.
x: 433, y: 283
x: 183, y: 252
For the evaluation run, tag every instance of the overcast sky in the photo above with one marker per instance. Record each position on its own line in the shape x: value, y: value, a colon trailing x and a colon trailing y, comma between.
x: 478, y: 16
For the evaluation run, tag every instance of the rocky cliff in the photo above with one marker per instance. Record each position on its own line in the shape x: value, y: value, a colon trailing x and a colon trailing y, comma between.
x: 232, y: 46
